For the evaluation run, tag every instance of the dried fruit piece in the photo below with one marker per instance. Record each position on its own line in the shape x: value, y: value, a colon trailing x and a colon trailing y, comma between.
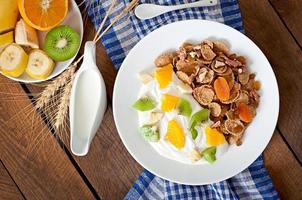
x: 209, y: 154
x: 222, y: 89
x: 144, y: 103
x: 214, y: 137
x: 149, y: 133
x: 164, y: 59
x: 184, y: 108
x: 204, y: 94
x: 169, y: 102
x: 163, y: 75
x: 246, y: 113
x: 235, y: 92
x: 175, y: 134
x: 257, y: 85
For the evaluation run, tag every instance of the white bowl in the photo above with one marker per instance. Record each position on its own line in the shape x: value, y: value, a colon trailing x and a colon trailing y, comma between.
x: 73, y: 19
x: 142, y: 57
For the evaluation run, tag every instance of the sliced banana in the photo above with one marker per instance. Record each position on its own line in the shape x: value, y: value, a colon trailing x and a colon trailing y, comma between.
x: 145, y: 77
x: 39, y: 65
x: 184, y: 88
x: 26, y: 35
x: 13, y: 60
x: 154, y: 118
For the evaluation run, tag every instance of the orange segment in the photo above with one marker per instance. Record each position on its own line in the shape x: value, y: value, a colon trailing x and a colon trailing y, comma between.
x: 43, y: 14
x: 163, y: 75
x: 175, y: 134
x: 214, y: 137
x: 169, y: 102
x: 222, y: 89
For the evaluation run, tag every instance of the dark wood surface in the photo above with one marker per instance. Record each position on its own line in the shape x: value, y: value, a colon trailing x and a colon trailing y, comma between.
x: 49, y: 170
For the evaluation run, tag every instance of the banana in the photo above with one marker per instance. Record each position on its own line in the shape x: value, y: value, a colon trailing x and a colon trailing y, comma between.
x: 39, y: 66
x: 13, y: 60
x: 6, y: 39
x: 26, y: 35
x: 8, y: 15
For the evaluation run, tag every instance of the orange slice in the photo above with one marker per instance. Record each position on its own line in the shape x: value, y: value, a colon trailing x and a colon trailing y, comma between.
x: 175, y: 134
x: 169, y: 102
x: 163, y: 75
x: 43, y: 14
x: 214, y: 137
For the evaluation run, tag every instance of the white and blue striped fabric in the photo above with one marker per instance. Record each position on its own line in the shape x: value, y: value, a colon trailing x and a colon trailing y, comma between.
x: 254, y: 182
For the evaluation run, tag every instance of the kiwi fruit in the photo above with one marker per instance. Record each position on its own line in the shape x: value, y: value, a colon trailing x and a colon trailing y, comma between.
x: 144, y: 103
x: 62, y: 43
x: 184, y: 108
x: 149, y: 133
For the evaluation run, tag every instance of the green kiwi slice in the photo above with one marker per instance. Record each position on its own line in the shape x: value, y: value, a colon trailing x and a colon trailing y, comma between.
x: 62, y: 43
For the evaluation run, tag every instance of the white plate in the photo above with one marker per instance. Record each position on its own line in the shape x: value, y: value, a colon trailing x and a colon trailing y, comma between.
x: 170, y: 37
x: 73, y: 19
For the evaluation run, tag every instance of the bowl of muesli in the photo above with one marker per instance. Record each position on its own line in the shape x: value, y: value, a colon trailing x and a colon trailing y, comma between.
x: 195, y: 102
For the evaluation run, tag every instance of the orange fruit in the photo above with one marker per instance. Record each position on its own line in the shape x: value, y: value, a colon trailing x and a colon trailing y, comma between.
x: 175, y: 134
x: 169, y: 102
x: 214, y: 137
x: 43, y: 14
x: 163, y: 75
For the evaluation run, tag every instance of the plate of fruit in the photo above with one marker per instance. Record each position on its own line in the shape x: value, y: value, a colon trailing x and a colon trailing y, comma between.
x: 195, y: 102
x: 38, y: 39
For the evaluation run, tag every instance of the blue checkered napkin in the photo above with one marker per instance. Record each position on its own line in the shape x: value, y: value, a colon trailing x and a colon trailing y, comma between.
x: 252, y: 183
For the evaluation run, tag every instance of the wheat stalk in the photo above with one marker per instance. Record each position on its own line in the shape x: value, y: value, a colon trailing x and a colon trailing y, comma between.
x: 54, y: 86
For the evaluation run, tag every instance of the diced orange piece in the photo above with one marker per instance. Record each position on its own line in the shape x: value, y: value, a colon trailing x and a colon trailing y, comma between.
x: 214, y: 137
x: 245, y: 112
x: 163, y: 75
x: 175, y: 134
x: 222, y: 89
x: 169, y: 102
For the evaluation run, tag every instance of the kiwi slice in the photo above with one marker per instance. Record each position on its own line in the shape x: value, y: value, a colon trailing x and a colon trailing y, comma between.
x: 144, y: 103
x: 149, y: 133
x: 209, y: 154
x: 62, y: 43
x: 184, y: 108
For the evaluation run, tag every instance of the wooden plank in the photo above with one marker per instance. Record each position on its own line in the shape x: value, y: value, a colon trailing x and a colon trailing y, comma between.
x: 265, y: 28
x: 8, y: 189
x: 290, y: 12
x: 283, y: 168
x: 31, y: 154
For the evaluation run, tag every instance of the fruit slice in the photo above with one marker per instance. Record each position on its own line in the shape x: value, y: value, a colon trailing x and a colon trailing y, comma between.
x: 43, y: 14
x: 39, y: 65
x: 222, y: 89
x: 62, y: 43
x: 144, y: 103
x: 9, y: 14
x: 214, y: 137
x: 6, y: 39
x: 163, y: 75
x: 169, y: 102
x: 184, y: 108
x: 198, y: 117
x: 154, y: 118
x: 149, y: 133
x: 145, y: 77
x: 13, y: 60
x: 209, y: 154
x: 175, y: 134
x: 26, y: 35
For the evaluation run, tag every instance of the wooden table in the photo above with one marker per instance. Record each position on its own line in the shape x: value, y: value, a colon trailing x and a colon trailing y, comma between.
x: 108, y: 171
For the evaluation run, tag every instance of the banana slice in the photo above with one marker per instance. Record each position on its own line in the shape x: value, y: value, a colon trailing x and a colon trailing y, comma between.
x: 39, y: 65
x: 13, y: 60
x: 26, y: 35
x: 6, y: 39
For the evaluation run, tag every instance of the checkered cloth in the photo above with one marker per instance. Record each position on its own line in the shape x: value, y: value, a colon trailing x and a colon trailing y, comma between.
x: 253, y: 182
